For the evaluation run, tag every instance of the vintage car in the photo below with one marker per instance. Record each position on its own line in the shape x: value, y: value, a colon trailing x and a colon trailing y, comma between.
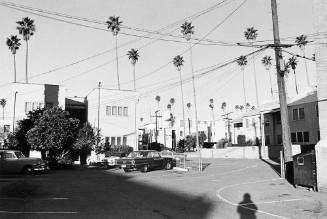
x: 111, y: 161
x: 145, y: 160
x: 172, y: 154
x: 15, y: 162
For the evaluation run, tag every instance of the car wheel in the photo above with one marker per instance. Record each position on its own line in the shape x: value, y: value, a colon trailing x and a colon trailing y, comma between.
x: 28, y: 170
x: 168, y: 166
x: 145, y: 168
x: 126, y: 170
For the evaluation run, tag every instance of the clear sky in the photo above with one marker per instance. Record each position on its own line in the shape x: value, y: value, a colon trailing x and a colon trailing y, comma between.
x: 56, y: 44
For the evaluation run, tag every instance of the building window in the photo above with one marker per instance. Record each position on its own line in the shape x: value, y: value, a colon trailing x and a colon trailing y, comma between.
x: 306, y: 136
x: 295, y: 114
x: 124, y: 140
x: 247, y: 123
x: 113, y: 141
x: 267, y: 124
x: 120, y: 111
x: 267, y: 140
x: 301, y: 113
x: 181, y: 133
x: 125, y: 112
x: 108, y: 110
x: 114, y: 110
x: 279, y: 139
x: 299, y: 136
x: 182, y: 123
x: 118, y: 140
x: 293, y: 137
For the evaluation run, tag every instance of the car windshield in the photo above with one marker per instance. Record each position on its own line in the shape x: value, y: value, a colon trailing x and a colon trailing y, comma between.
x: 19, y: 154
x: 138, y: 154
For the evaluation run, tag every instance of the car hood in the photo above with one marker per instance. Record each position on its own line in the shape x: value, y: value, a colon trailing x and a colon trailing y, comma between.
x: 32, y: 159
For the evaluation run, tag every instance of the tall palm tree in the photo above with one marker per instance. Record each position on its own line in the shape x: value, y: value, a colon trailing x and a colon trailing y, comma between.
x: 169, y: 106
x: 241, y: 108
x: 3, y: 103
x: 133, y: 55
x: 158, y: 100
x: 172, y: 102
x: 13, y: 45
x: 247, y: 106
x: 26, y: 28
x: 253, y: 108
x: 188, y: 30
x: 237, y: 107
x: 266, y: 61
x: 251, y: 35
x: 302, y: 41
x: 223, y: 106
x: 114, y: 24
x: 211, y: 106
x: 292, y: 62
x: 242, y: 62
x: 178, y: 63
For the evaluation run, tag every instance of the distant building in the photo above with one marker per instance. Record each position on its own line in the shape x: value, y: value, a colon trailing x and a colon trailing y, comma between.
x: 116, y: 118
x: 28, y: 97
x: 77, y: 108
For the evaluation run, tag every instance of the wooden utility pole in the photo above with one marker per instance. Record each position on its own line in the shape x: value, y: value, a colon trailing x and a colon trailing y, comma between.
x: 98, y: 131
x: 280, y: 66
x: 156, y: 134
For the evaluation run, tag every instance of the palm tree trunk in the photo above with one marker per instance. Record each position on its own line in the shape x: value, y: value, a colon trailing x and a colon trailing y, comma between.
x: 182, y: 93
x: 135, y: 127
x: 134, y: 77
x: 15, y: 69
x: 3, y: 113
x: 297, y: 91
x: 26, y: 67
x: 306, y: 70
x: 271, y: 90
x: 196, y: 112
x: 117, y: 63
x: 255, y: 82
x: 244, y: 95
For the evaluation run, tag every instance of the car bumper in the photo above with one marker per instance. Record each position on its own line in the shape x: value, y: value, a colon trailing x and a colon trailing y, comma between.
x: 41, y: 168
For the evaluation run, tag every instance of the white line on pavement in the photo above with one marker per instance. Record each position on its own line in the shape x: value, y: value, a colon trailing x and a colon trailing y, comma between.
x: 276, y: 201
x: 236, y: 204
x: 39, y: 212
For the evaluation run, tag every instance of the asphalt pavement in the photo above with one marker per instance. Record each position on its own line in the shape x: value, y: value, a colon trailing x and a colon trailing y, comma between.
x: 227, y: 188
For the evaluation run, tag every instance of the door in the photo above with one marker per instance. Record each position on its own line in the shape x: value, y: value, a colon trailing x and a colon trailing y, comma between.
x: 158, y: 160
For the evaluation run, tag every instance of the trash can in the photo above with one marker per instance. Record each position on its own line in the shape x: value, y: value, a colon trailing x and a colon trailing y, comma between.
x: 304, y: 166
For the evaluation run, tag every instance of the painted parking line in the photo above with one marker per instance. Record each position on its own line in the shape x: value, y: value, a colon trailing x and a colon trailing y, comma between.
x: 14, y: 198
x: 38, y: 212
x: 218, y: 194
x: 276, y: 201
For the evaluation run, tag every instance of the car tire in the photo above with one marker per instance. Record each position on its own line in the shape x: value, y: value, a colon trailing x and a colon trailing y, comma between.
x: 28, y: 170
x: 168, y: 166
x: 145, y: 168
x: 126, y: 170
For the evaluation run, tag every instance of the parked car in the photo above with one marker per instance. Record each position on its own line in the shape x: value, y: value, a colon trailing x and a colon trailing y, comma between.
x: 12, y: 161
x: 145, y: 160
x: 172, y: 154
x: 61, y: 163
x: 111, y: 161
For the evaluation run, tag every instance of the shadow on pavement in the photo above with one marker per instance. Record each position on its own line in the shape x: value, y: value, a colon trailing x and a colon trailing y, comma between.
x: 246, y: 208
x: 97, y: 193
x: 273, y: 164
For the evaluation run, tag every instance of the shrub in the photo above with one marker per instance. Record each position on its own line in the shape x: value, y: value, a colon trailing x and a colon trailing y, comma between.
x: 120, y: 149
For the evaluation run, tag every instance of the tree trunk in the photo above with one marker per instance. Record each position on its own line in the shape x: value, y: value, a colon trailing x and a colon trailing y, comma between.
x: 117, y: 63
x: 134, y: 79
x: 306, y: 69
x: 297, y: 91
x: 26, y: 64
x: 182, y: 93
x: 15, y: 79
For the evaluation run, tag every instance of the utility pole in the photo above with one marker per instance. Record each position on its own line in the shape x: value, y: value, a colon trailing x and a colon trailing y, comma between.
x: 98, y: 133
x: 280, y: 66
x: 13, y: 121
x: 228, y: 125
x: 156, y: 116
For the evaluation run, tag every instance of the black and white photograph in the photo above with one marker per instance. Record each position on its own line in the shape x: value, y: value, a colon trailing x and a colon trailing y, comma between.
x: 195, y: 109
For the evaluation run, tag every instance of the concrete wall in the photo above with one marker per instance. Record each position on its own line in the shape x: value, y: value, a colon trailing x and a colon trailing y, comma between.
x: 246, y: 152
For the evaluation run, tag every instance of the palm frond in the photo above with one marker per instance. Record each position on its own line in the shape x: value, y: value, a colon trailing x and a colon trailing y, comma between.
x: 251, y: 33
x: 26, y: 28
x: 187, y: 30
x: 178, y: 62
x: 301, y: 41
x: 133, y: 55
x: 114, y: 24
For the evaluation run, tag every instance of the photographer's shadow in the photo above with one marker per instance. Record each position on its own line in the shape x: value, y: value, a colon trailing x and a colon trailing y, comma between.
x: 246, y: 208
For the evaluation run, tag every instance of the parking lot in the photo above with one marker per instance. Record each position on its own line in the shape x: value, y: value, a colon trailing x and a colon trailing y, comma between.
x: 228, y: 188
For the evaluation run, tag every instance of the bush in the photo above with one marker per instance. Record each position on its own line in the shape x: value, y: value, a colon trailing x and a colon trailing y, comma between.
x: 120, y: 149
x: 181, y: 145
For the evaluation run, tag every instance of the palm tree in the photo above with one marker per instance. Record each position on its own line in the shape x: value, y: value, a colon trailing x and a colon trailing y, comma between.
x: 3, y: 103
x: 172, y: 102
x: 211, y: 106
x: 266, y: 61
x: 292, y: 62
x: 178, y: 63
x: 237, y: 107
x: 169, y: 106
x: 114, y: 24
x: 188, y: 30
x: 26, y: 28
x: 251, y: 35
x: 158, y: 100
x: 133, y: 55
x: 253, y: 108
x: 241, y: 108
x: 223, y: 106
x: 13, y: 45
x: 302, y: 41
x: 247, y: 106
x: 242, y: 62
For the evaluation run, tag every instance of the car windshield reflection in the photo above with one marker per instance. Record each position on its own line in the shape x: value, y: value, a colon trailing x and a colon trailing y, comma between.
x: 138, y: 154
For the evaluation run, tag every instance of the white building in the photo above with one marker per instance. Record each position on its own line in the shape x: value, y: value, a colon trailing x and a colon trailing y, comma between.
x: 22, y: 98
x: 114, y: 114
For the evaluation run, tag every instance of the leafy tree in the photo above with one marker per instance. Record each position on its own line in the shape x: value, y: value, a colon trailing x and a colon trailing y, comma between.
x: 54, y: 131
x: 13, y: 45
x: 26, y: 28
x: 86, y: 139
